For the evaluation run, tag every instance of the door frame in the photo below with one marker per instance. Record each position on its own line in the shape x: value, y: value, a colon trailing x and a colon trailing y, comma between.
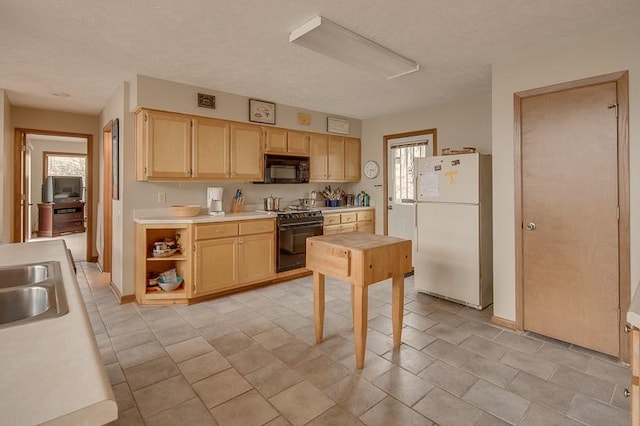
x: 19, y: 177
x: 624, y: 285
x: 107, y: 202
x: 385, y: 172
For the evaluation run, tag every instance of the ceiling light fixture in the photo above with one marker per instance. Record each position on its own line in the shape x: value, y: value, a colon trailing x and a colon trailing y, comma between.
x: 60, y: 94
x: 330, y: 39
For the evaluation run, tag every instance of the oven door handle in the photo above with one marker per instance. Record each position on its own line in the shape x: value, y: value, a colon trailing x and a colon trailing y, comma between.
x: 299, y: 224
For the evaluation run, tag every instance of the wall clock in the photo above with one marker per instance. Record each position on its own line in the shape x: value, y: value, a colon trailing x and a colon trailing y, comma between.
x: 371, y: 169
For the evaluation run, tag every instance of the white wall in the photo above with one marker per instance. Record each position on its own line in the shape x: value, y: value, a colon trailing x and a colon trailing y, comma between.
x: 463, y: 122
x: 37, y: 147
x: 6, y: 168
x: 166, y: 95
x: 605, y: 54
x: 117, y: 107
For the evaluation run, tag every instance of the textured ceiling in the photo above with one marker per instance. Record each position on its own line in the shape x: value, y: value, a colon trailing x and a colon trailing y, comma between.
x: 87, y: 48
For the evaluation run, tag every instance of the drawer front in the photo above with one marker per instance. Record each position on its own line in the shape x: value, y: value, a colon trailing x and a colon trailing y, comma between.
x: 366, y: 227
x: 331, y: 219
x: 216, y: 230
x: 257, y: 226
x: 365, y: 215
x: 347, y: 228
x: 330, y: 230
x: 68, y: 217
x: 348, y: 217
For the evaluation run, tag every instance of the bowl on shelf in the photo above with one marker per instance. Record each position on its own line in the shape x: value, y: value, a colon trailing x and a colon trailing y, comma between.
x: 186, y: 210
x: 169, y: 285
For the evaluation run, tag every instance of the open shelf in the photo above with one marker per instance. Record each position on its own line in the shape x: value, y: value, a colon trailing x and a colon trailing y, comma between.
x: 148, y: 266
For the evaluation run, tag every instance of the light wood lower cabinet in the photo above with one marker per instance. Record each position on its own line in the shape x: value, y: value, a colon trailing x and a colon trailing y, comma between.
x: 214, y: 258
x: 231, y: 255
x: 339, y: 223
x: 216, y: 265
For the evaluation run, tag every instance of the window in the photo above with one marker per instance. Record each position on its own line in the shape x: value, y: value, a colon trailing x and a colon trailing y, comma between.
x: 403, y: 157
x: 65, y: 164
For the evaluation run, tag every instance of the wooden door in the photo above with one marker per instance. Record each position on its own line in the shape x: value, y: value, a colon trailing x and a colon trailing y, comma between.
x: 318, y: 158
x: 335, y: 154
x: 569, y: 210
x: 275, y: 141
x: 169, y: 145
x: 211, y: 156
x: 298, y: 143
x: 216, y: 265
x: 256, y: 257
x: 246, y: 152
x: 352, y: 160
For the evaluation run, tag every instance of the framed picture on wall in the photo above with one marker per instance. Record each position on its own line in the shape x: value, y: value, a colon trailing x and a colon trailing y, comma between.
x: 262, y: 111
x: 115, y: 156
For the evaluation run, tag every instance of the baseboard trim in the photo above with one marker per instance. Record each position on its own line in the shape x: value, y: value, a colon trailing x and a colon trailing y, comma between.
x: 501, y: 322
x: 121, y: 299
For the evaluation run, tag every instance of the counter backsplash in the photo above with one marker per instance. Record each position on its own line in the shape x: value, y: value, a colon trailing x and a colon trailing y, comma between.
x: 195, y: 193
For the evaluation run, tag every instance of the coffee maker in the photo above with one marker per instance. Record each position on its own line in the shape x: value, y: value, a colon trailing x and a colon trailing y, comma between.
x: 214, y: 201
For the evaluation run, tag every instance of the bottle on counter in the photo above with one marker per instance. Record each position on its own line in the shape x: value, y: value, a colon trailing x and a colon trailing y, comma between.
x: 366, y: 200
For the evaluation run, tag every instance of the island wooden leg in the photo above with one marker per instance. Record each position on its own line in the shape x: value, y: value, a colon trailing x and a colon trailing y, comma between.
x: 397, y: 303
x: 360, y: 299
x: 318, y: 304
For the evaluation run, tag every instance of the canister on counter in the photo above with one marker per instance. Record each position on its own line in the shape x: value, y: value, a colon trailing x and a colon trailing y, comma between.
x: 350, y: 198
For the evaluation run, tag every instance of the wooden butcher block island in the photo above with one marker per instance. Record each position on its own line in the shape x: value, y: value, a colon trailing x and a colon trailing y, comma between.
x: 361, y: 260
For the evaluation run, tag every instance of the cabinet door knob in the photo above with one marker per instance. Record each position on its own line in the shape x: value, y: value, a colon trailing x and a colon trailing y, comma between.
x: 626, y: 393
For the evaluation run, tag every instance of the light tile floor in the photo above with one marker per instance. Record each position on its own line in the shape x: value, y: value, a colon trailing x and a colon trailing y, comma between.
x: 251, y: 359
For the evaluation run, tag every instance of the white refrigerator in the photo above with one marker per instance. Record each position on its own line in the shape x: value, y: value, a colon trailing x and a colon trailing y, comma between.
x: 454, y: 257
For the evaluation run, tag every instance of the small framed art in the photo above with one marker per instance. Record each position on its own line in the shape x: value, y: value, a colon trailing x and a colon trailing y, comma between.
x: 262, y: 111
x: 338, y: 125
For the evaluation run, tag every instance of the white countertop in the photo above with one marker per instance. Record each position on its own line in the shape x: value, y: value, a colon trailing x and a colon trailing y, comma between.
x: 633, y: 314
x: 343, y: 209
x: 151, y: 216
x: 51, y: 370
x: 164, y: 215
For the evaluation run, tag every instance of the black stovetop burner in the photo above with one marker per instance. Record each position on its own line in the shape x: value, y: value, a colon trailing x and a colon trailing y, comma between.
x: 293, y: 216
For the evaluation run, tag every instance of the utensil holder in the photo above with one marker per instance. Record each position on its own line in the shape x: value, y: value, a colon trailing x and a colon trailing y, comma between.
x: 236, y: 207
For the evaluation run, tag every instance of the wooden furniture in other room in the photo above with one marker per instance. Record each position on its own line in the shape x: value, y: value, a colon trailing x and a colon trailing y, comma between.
x: 60, y: 218
x: 361, y: 259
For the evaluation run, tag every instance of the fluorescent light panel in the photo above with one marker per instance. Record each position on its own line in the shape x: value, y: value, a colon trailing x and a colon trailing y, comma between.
x: 330, y: 39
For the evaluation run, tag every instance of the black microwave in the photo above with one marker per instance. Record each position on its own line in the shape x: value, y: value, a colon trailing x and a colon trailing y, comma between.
x: 284, y: 169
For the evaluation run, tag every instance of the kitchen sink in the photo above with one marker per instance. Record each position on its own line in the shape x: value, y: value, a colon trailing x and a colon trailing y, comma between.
x: 30, y: 293
x: 14, y: 276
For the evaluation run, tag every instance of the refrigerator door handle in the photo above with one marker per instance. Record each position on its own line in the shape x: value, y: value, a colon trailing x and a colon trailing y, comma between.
x: 415, y: 225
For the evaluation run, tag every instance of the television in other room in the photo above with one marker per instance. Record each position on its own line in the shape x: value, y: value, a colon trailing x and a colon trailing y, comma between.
x: 62, y: 189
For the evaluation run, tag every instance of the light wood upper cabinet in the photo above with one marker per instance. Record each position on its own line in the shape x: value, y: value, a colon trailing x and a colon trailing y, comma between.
x: 298, y: 143
x: 335, y: 165
x: 352, y: 160
x: 246, y: 152
x: 171, y: 146
x: 164, y: 145
x: 275, y: 141
x: 211, y: 149
x: 334, y: 159
x: 286, y: 142
x: 318, y: 155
